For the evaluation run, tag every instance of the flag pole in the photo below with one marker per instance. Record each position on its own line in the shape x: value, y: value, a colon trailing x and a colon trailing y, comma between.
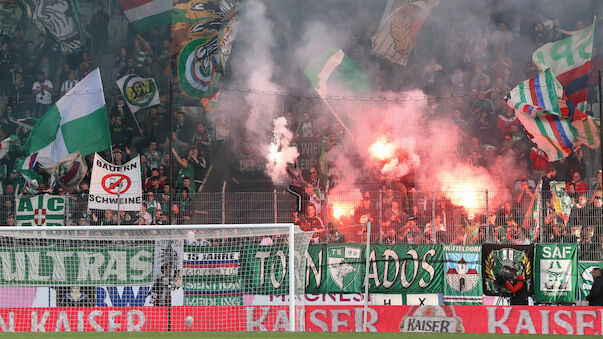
x: 335, y: 114
x: 600, y: 121
x: 171, y: 179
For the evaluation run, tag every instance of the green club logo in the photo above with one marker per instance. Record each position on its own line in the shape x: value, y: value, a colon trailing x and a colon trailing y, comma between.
x: 139, y: 91
x: 198, y: 64
x: 343, y: 265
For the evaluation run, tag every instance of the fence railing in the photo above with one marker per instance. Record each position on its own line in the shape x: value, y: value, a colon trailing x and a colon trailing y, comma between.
x: 414, y: 217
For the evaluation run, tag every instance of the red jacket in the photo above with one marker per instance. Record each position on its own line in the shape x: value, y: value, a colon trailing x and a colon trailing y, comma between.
x: 579, y: 185
x: 504, y: 123
x: 518, y: 284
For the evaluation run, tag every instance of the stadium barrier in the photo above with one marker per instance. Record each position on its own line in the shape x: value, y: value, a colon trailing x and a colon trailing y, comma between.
x: 430, y: 319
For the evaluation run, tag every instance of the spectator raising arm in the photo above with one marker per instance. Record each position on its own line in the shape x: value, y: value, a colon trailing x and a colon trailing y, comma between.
x: 181, y: 161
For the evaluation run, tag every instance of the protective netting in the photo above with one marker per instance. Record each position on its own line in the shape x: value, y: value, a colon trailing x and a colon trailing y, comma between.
x: 176, y: 278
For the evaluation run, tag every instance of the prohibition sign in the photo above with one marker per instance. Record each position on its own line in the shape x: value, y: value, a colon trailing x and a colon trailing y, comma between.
x: 115, y: 181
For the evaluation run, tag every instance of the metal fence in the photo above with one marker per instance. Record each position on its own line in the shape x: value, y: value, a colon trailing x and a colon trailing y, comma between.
x: 393, y: 217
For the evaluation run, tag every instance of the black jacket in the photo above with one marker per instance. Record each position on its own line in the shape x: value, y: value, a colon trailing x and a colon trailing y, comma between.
x: 595, y: 297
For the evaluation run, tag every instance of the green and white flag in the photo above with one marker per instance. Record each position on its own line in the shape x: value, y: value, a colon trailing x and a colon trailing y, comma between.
x: 556, y: 273
x: 585, y: 269
x: 463, y: 285
x: 138, y: 92
x: 40, y: 210
x: 76, y: 122
x: 334, y: 73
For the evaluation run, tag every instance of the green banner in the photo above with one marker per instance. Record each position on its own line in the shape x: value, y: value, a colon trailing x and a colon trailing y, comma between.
x: 339, y: 268
x: 316, y: 272
x: 334, y: 268
x: 265, y: 270
x: 406, y: 269
x: 585, y: 277
x: 41, y: 210
x: 463, y: 283
x: 212, y: 276
x: 81, y: 266
x: 556, y: 272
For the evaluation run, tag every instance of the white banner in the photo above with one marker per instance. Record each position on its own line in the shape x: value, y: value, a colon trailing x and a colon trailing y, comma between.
x: 113, y: 185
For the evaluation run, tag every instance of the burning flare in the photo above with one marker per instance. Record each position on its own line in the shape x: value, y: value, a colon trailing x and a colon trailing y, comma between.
x: 342, y: 209
x: 382, y: 149
x: 466, y: 186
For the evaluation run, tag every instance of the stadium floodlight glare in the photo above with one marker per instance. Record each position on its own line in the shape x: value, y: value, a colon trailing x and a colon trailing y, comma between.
x: 153, y: 278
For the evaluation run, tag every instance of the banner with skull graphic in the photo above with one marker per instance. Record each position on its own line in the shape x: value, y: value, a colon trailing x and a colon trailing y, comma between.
x: 60, y: 19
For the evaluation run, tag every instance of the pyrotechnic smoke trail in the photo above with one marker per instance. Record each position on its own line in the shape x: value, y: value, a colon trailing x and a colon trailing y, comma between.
x: 256, y: 68
x: 280, y: 153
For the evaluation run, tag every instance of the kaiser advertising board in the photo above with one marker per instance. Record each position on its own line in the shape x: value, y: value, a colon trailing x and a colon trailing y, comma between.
x: 426, y: 319
x: 115, y: 186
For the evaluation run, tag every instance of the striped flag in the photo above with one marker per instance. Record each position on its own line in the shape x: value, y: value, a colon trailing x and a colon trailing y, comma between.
x: 398, y: 29
x: 146, y: 14
x: 569, y: 60
x: 537, y: 105
x: 27, y: 168
x: 541, y: 106
x: 26, y: 123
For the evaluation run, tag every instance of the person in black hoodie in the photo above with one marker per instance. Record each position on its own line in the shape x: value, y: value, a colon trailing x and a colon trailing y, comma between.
x: 518, y: 288
x: 595, y: 297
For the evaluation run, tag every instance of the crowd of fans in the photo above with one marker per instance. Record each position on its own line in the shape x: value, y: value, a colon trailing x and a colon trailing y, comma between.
x: 34, y: 75
x: 466, y: 77
x: 476, y: 68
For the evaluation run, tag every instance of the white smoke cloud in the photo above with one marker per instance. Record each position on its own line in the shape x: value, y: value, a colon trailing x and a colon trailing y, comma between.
x: 254, y: 68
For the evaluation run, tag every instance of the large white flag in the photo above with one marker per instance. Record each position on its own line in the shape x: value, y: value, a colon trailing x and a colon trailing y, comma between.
x: 77, y: 122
